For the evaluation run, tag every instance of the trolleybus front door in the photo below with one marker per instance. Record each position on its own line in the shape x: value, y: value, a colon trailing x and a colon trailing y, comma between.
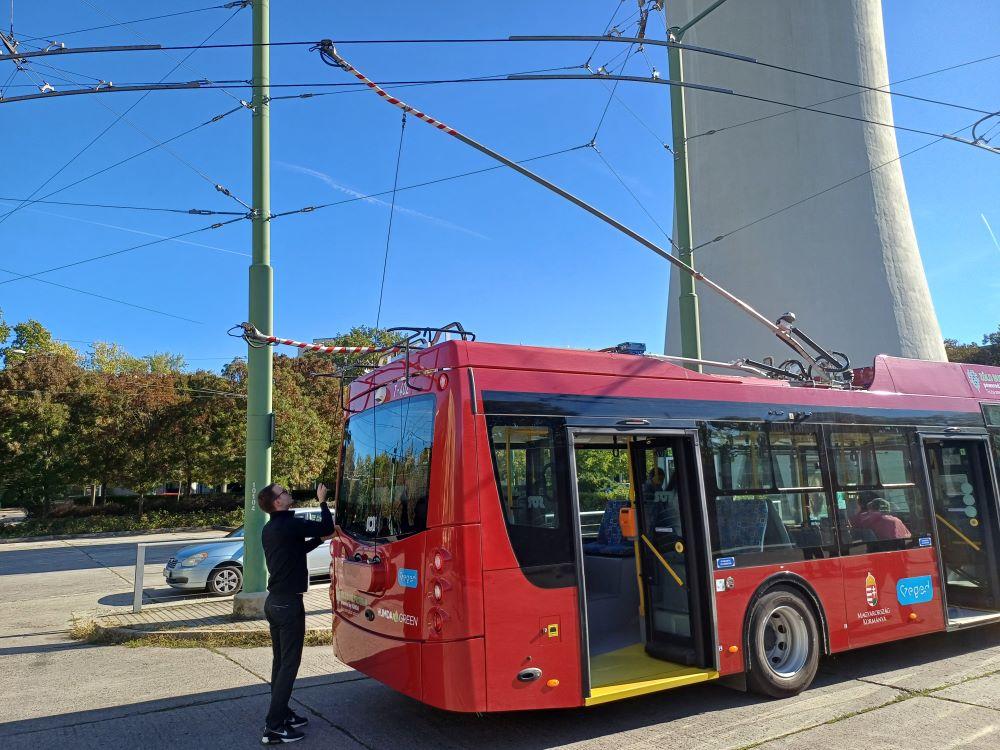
x: 670, y: 547
x: 965, y: 508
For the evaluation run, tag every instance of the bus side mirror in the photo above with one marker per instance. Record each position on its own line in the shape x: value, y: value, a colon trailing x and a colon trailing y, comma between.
x: 626, y: 520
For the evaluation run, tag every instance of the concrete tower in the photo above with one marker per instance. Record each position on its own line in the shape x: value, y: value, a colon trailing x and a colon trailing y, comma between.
x: 846, y: 262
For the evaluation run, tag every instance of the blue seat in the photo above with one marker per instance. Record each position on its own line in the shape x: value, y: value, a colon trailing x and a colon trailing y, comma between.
x: 610, y: 542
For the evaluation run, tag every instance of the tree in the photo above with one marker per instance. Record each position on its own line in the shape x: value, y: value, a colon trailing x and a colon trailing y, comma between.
x: 39, y: 427
x: 206, y: 423
x: 986, y: 354
x: 31, y: 338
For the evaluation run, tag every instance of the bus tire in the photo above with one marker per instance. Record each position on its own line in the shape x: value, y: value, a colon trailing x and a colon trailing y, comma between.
x: 783, y: 644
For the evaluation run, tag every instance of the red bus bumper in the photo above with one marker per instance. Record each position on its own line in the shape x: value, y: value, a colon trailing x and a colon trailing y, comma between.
x: 450, y: 675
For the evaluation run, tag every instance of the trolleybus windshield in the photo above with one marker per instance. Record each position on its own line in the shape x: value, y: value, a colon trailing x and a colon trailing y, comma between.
x: 385, y: 471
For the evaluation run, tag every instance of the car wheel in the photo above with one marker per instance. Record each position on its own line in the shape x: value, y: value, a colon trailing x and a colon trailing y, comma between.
x: 225, y: 580
x: 783, y: 644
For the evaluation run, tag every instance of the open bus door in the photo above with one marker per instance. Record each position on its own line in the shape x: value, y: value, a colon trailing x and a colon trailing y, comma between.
x: 964, y: 497
x: 647, y: 618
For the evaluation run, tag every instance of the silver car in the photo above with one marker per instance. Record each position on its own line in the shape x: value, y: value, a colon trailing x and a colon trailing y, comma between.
x: 218, y: 567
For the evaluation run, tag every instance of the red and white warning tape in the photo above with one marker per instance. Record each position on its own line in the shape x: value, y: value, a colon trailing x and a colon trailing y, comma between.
x: 252, y: 335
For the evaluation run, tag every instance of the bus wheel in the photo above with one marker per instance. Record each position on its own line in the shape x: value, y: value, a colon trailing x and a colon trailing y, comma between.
x: 783, y: 642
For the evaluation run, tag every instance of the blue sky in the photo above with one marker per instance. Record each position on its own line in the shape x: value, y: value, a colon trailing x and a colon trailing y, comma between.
x: 495, y: 251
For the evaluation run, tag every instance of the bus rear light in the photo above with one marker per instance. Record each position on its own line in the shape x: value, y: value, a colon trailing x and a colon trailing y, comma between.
x: 438, y: 618
x: 442, y: 381
x: 441, y: 557
x: 438, y: 589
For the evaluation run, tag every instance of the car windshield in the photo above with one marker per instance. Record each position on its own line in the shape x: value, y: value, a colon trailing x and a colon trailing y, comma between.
x: 236, y: 533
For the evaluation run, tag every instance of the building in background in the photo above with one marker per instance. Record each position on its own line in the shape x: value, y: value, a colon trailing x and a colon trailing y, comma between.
x: 846, y: 262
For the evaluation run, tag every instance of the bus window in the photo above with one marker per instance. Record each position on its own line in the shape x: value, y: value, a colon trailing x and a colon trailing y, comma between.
x: 529, y: 483
x: 386, y: 470
x: 880, y: 505
x: 766, y: 498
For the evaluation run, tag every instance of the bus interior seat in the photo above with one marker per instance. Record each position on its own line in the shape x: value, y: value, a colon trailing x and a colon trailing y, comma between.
x: 610, y: 541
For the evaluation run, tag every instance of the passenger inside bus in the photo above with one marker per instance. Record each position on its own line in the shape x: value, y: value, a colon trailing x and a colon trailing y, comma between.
x: 875, y: 521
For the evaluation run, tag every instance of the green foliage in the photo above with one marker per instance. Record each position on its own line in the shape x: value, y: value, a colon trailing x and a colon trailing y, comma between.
x: 110, y: 418
x: 986, y: 354
x: 95, y: 524
x: 31, y: 339
x: 602, y: 475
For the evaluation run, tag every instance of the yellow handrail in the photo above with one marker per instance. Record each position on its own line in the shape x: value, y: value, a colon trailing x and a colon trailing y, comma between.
x: 663, y: 561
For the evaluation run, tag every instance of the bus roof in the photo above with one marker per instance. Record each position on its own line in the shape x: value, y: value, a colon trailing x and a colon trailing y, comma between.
x: 887, y: 374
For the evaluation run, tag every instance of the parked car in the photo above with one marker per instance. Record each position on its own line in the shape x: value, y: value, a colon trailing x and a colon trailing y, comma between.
x: 218, y: 567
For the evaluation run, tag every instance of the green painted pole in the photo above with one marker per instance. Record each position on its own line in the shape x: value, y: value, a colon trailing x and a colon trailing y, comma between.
x: 690, y: 325
x: 259, y: 361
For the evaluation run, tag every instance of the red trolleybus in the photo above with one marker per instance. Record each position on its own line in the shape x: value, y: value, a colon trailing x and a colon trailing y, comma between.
x: 524, y: 528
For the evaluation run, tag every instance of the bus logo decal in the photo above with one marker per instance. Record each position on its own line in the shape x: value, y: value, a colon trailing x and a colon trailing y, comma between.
x: 726, y: 562
x: 407, y: 578
x: 916, y: 590
x: 871, y: 590
x: 973, y: 377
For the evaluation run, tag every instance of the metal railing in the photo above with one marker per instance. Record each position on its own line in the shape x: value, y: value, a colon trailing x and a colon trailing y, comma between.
x: 140, y: 561
x: 590, y: 521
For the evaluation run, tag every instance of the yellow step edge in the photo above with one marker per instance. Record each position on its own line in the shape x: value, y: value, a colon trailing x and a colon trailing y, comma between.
x: 618, y: 691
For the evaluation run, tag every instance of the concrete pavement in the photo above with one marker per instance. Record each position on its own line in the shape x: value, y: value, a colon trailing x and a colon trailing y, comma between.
x: 941, y: 691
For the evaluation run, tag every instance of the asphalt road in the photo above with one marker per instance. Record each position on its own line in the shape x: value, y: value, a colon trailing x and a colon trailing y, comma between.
x: 936, y: 692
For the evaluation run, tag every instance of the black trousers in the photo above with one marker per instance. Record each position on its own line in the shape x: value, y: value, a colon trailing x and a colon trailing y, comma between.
x: 287, y: 619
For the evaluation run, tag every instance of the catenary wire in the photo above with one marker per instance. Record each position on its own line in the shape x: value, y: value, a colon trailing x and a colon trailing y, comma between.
x: 106, y: 129
x: 183, y: 61
x: 751, y: 97
x: 127, y: 159
x: 824, y: 191
x: 310, y: 209
x: 635, y: 198
x: 946, y: 69
x: 51, y: 37
x: 392, y: 213
x: 113, y: 253
x: 162, y: 209
x: 105, y: 297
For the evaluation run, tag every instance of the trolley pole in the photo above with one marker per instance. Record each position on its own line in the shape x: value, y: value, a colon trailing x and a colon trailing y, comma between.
x: 260, y: 363
x: 690, y: 325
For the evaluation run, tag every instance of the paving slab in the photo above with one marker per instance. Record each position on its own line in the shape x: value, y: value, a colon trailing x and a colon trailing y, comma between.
x: 696, y: 718
x: 920, y: 722
x: 208, y: 721
x: 317, y: 662
x: 982, y: 692
x: 922, y: 663
x: 56, y: 679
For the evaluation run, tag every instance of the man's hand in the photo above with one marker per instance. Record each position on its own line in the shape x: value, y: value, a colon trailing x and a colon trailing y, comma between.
x: 321, y: 492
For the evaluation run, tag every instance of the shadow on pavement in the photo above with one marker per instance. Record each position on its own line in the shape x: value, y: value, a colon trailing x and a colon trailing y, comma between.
x: 76, y: 556
x: 911, y: 652
x: 347, y: 706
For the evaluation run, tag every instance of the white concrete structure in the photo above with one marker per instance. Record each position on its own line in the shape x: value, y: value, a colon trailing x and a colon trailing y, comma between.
x: 846, y: 262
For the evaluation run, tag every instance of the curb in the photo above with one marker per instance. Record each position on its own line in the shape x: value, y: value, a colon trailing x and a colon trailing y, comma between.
x: 111, y: 534
x: 193, y: 635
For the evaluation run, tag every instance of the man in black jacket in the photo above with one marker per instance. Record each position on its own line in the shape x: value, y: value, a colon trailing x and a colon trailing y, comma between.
x: 287, y: 540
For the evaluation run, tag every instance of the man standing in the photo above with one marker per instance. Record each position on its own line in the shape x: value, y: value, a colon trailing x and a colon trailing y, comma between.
x: 287, y: 540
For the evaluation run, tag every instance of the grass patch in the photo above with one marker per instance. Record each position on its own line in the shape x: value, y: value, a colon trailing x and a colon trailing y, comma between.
x: 89, y: 632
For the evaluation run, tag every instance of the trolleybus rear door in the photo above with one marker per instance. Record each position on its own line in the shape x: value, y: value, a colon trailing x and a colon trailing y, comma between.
x: 960, y: 480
